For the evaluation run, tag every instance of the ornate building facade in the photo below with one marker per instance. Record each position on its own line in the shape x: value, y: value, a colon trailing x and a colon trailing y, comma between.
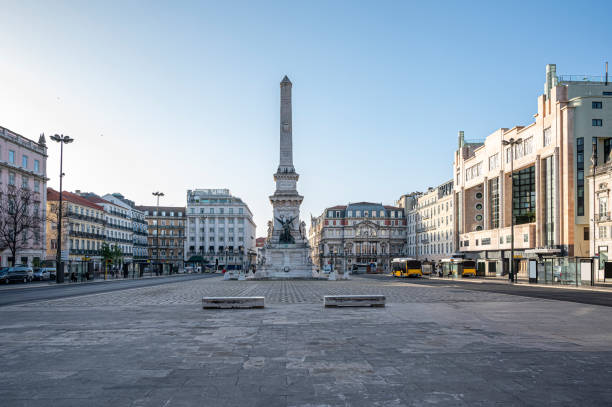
x: 361, y: 237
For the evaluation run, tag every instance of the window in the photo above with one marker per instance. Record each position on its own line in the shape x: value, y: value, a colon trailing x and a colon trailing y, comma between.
x: 547, y: 136
x: 494, y: 202
x: 212, y: 210
x: 11, y: 156
x: 596, y: 105
x: 528, y: 145
x: 603, y: 232
x: 580, y: 176
x: 585, y: 233
x: 473, y: 172
x: 493, y: 161
x: 24, y: 161
x: 597, y: 122
x: 11, y: 178
x: 25, y: 182
x: 523, y: 195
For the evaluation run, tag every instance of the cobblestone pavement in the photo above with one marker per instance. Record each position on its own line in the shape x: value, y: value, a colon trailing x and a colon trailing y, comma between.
x: 155, y: 346
x: 283, y: 292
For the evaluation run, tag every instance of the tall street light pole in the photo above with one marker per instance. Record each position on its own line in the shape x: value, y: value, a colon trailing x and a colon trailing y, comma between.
x: 60, y: 266
x: 157, y: 194
x: 512, y: 142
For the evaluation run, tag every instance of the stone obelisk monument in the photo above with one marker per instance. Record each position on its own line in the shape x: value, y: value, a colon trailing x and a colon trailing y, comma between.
x: 286, y: 253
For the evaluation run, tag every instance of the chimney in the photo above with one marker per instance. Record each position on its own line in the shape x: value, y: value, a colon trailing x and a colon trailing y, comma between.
x: 461, y: 139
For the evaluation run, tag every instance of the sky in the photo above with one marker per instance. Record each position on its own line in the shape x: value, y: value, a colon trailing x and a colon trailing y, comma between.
x: 176, y: 95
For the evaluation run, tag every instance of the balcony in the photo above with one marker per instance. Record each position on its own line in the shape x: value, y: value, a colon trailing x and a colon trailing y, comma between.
x: 87, y: 235
x: 602, y: 217
x: 76, y: 215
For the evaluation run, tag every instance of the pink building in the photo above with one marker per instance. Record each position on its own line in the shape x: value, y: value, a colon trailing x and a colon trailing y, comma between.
x: 23, y: 164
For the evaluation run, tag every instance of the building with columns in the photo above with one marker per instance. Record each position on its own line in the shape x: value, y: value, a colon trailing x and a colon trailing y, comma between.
x: 430, y: 231
x: 547, y: 194
x: 360, y: 236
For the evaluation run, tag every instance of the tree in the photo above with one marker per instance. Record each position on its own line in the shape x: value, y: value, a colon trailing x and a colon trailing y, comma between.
x: 112, y: 253
x: 20, y: 219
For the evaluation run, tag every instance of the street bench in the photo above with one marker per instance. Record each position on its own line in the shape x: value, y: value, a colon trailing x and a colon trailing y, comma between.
x: 354, y: 301
x: 232, y: 302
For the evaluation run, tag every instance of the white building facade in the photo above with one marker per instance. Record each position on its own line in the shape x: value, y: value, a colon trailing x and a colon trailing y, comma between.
x: 430, y: 232
x: 219, y: 229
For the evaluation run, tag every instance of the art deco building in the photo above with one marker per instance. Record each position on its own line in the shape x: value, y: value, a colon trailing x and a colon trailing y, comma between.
x: 546, y: 194
x: 23, y: 164
x: 361, y: 237
x: 83, y: 231
x: 430, y: 224
x: 166, y: 238
x: 220, y: 230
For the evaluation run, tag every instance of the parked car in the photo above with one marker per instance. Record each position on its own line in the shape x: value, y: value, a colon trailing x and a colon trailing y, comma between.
x: 21, y: 273
x: 51, y: 272
x: 4, y: 275
x: 41, y: 274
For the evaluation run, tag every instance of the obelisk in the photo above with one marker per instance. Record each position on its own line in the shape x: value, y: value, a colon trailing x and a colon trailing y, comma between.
x: 286, y: 141
x: 286, y: 253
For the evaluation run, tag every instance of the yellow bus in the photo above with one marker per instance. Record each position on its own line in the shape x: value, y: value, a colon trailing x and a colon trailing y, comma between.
x: 406, y: 267
x: 458, y: 267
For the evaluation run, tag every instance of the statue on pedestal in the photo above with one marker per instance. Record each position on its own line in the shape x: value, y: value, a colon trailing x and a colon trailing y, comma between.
x: 285, y: 236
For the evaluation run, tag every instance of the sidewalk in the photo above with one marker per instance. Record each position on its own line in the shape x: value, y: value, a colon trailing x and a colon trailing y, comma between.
x: 52, y: 283
x: 523, y: 283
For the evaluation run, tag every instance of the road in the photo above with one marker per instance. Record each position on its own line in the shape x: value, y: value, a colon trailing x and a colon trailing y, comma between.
x: 582, y: 296
x: 38, y: 293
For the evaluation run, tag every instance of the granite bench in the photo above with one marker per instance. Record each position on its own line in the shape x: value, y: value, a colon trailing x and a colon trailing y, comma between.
x: 354, y: 301
x: 232, y: 302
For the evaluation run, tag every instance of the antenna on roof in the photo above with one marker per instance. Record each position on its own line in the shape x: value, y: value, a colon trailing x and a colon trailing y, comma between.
x: 606, y: 73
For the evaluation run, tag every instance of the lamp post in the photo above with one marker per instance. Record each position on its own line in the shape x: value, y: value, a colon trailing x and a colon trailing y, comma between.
x: 512, y: 142
x: 593, y: 168
x: 157, y: 194
x: 60, y: 266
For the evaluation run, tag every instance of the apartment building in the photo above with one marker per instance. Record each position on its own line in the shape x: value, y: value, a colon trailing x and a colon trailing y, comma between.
x: 118, y: 227
x: 430, y: 231
x: 23, y: 164
x: 166, y: 237
x: 540, y: 181
x: 220, y: 230
x: 83, y: 224
x: 361, y: 237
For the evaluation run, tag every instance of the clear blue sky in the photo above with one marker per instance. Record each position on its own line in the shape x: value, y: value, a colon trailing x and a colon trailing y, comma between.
x: 176, y: 95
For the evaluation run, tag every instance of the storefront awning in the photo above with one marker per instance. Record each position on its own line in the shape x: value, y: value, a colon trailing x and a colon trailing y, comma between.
x: 196, y: 259
x: 543, y: 251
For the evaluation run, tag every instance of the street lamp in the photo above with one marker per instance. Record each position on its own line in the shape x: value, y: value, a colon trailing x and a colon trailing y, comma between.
x: 512, y: 142
x: 60, y: 266
x: 157, y: 194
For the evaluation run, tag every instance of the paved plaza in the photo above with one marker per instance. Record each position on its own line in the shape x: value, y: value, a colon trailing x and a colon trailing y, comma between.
x: 431, y: 345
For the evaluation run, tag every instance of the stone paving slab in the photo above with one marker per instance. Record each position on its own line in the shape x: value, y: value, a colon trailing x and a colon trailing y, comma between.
x: 448, y: 349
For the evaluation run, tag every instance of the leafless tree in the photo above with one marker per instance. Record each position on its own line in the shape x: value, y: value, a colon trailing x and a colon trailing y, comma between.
x: 21, y: 219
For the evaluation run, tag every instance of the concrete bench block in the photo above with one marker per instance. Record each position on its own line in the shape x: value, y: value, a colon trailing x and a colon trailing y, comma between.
x: 354, y: 301
x: 232, y: 302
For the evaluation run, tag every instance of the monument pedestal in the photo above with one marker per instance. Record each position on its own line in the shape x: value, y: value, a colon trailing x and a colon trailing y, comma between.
x: 286, y: 261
